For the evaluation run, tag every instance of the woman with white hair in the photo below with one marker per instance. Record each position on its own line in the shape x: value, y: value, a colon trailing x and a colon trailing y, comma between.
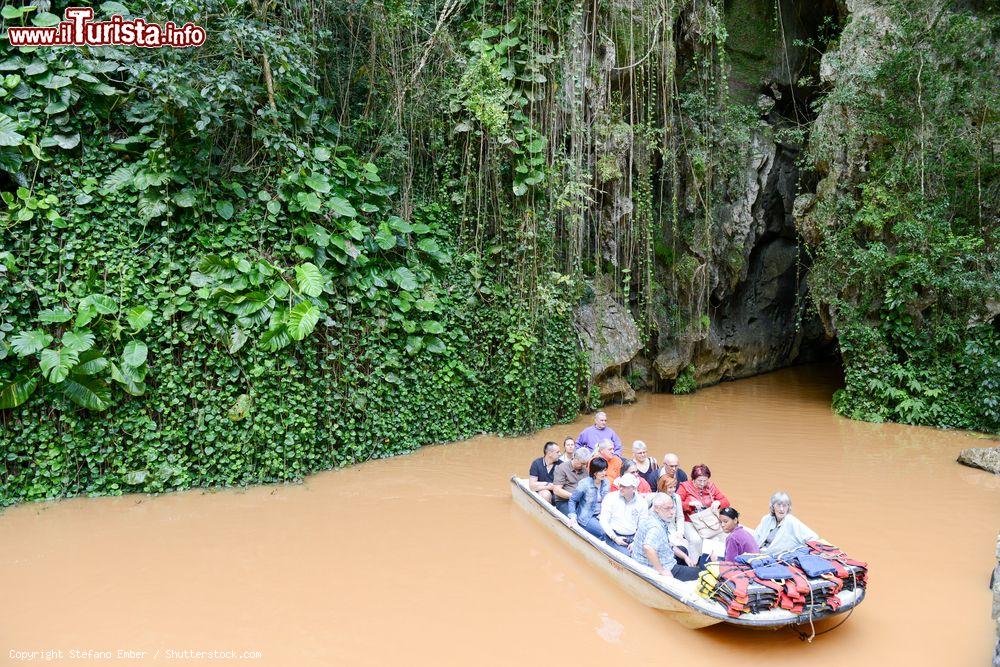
x: 645, y: 465
x: 779, y: 530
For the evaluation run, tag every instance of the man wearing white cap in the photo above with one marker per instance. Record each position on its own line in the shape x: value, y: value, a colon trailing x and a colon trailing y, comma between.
x: 621, y: 512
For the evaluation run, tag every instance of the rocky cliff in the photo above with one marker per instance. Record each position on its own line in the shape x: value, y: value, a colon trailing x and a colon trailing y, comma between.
x: 731, y: 295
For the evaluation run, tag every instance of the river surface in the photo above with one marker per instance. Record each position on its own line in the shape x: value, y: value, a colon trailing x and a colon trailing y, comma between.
x: 424, y: 559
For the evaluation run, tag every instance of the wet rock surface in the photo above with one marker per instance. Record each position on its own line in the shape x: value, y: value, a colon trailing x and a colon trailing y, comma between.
x: 984, y: 458
x: 616, y: 389
x: 608, y: 333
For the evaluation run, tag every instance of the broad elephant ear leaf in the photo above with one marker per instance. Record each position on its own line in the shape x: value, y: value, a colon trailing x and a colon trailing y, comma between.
x: 302, y: 319
x: 17, y: 391
x: 92, y: 362
x: 87, y: 392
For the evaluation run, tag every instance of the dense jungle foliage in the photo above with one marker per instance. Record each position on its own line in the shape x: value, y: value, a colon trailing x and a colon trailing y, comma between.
x: 203, y: 282
x: 339, y: 231
x: 908, y: 261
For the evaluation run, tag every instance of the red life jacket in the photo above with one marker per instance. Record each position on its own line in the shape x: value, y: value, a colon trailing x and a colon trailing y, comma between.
x: 739, y: 577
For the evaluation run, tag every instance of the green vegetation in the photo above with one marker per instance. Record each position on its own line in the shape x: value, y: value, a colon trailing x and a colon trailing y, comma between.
x: 685, y: 382
x: 908, y: 260
x: 202, y: 282
x: 339, y: 231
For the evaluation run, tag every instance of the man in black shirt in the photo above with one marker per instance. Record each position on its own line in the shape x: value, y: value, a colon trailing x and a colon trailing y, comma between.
x: 540, y: 476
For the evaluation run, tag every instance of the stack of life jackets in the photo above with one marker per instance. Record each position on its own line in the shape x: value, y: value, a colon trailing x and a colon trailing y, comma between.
x: 806, y: 579
x: 736, y: 588
x: 853, y: 573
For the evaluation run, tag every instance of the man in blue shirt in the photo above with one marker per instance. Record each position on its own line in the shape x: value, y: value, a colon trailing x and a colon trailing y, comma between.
x: 592, y: 435
x: 656, y: 549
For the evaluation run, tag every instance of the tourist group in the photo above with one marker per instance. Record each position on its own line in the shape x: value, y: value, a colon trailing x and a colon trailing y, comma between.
x: 655, y: 513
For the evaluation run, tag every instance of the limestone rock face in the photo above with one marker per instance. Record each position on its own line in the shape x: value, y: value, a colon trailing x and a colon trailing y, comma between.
x: 671, y: 361
x: 608, y: 333
x: 985, y: 458
x: 729, y: 286
x: 616, y: 389
x: 640, y: 373
x: 760, y: 320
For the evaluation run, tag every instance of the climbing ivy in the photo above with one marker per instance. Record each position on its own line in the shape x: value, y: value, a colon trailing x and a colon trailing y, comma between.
x: 209, y: 286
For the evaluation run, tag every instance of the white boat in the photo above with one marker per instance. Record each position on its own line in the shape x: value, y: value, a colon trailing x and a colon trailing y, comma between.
x: 679, y: 599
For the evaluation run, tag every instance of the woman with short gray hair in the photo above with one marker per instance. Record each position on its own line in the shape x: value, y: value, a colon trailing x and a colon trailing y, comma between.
x: 779, y: 530
x: 645, y: 465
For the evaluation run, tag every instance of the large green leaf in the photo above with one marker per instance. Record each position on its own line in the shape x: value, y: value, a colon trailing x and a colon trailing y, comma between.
x: 237, y: 339
x: 356, y: 230
x: 433, y: 327
x: 309, y: 201
x: 55, y: 315
x: 302, y: 319
x: 248, y: 304
x: 385, y: 238
x: 91, y: 362
x: 110, y: 8
x: 400, y: 225
x: 318, y: 182
x: 224, y: 209
x: 85, y: 313
x: 45, y: 20
x: 309, y: 278
x: 186, y: 198
x: 139, y: 317
x: 342, y: 207
x: 67, y: 141
x: 30, y: 342
x: 56, y: 364
x: 436, y: 345
x: 135, y: 354
x: 78, y: 340
x: 129, y: 378
x: 275, y: 338
x: 405, y: 278
x: 93, y: 305
x: 9, y: 136
x: 119, y: 178
x: 16, y: 392
x: 240, y: 408
x: 87, y: 392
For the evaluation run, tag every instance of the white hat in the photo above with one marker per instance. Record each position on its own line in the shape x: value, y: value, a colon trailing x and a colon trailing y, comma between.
x: 628, y: 479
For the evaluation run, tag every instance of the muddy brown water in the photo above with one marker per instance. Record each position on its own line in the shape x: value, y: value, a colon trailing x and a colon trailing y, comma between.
x: 425, y: 560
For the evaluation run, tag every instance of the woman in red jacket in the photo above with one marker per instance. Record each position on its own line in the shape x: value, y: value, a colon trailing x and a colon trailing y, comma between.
x: 696, y: 494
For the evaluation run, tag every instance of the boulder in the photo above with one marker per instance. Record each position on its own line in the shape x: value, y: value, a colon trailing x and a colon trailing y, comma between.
x: 616, y: 389
x: 986, y: 458
x: 607, y: 332
x: 670, y: 361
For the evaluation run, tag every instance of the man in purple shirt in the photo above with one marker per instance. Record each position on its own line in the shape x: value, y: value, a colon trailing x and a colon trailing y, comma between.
x: 739, y: 540
x: 592, y: 435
